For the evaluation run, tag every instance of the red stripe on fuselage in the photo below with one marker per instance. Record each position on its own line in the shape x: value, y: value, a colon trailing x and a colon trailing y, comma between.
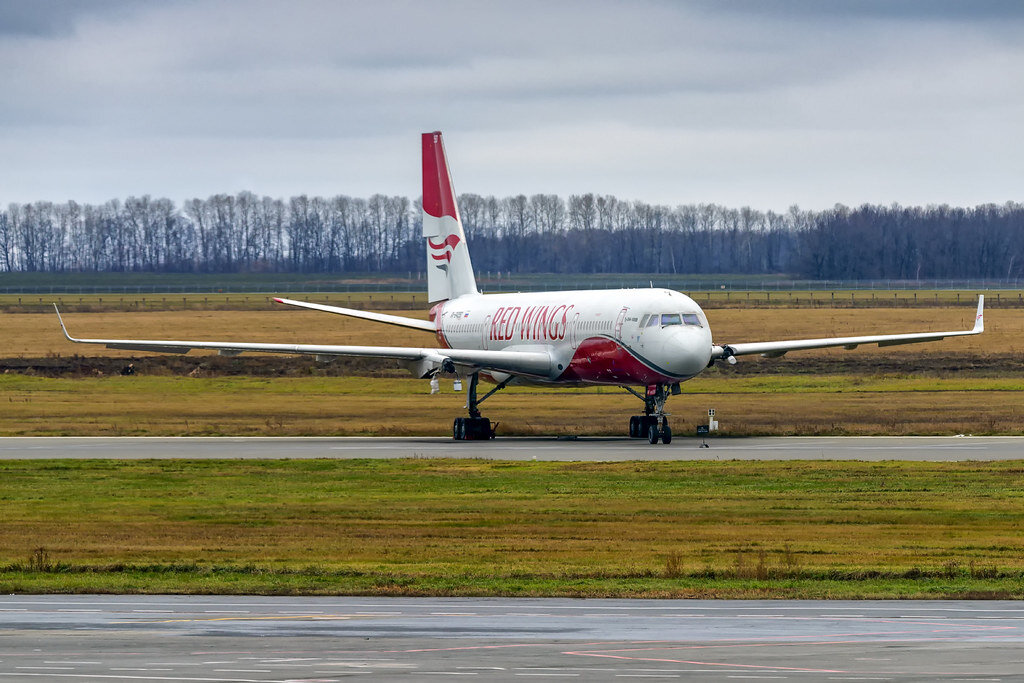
x: 436, y: 316
x: 600, y: 360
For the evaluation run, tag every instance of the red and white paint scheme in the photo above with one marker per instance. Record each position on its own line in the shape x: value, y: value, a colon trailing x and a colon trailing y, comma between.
x: 646, y: 341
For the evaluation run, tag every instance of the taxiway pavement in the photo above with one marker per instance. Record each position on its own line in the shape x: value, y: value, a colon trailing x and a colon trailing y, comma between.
x: 940, y: 448
x: 242, y: 639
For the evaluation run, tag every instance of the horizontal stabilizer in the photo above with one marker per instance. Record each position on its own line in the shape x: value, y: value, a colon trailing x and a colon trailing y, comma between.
x: 401, y: 321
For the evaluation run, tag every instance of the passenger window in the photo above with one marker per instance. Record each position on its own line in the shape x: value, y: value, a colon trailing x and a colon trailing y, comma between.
x: 671, y: 319
x: 691, y: 319
x: 653, y: 321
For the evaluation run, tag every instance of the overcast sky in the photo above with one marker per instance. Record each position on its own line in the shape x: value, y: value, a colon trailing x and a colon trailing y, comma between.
x: 758, y: 103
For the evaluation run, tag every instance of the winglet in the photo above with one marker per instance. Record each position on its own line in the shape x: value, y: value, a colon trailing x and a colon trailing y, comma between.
x: 979, y: 320
x: 61, y: 320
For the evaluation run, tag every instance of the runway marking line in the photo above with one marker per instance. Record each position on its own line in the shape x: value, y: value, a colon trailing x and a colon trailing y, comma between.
x: 226, y: 611
x: 510, y: 645
x: 774, y: 641
x: 278, y: 617
x: 763, y: 667
x: 609, y: 654
x: 124, y: 677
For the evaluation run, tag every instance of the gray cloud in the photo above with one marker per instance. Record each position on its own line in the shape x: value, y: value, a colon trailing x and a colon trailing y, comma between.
x: 766, y: 103
x: 55, y: 17
x: 916, y: 10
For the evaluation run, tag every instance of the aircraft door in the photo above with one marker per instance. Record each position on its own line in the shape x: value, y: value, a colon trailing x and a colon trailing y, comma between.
x: 485, y: 332
x: 574, y: 331
x: 618, y: 323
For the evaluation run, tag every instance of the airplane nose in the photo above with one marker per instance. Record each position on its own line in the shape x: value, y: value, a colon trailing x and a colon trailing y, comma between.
x: 690, y: 350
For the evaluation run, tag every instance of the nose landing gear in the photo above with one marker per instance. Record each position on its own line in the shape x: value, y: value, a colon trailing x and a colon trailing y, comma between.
x: 475, y: 427
x: 665, y: 433
x: 653, y: 424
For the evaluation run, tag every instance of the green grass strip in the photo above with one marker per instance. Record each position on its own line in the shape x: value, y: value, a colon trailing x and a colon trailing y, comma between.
x: 795, y: 529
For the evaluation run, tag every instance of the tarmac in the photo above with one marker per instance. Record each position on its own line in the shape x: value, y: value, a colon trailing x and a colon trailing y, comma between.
x: 217, y: 638
x: 937, y: 448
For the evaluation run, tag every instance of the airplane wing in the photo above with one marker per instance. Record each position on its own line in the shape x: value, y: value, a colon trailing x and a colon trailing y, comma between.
x: 401, y: 321
x: 776, y: 349
x: 533, y: 363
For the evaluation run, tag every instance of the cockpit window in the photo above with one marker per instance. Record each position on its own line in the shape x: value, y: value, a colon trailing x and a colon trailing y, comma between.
x: 643, y: 321
x: 673, y: 319
x: 691, y: 319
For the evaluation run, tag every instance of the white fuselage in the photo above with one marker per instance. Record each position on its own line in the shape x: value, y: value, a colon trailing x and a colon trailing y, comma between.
x: 594, y: 337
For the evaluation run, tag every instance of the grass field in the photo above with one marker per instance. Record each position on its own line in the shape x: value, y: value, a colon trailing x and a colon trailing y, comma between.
x: 710, y: 529
x: 956, y: 386
x: 366, y: 406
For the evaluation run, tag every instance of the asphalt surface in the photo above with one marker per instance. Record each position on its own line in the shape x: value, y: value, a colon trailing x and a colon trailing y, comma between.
x: 217, y: 638
x: 513, y: 448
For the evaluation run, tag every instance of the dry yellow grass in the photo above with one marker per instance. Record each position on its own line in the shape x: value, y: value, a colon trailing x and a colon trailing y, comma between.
x: 318, y: 405
x: 33, y: 334
x: 368, y: 406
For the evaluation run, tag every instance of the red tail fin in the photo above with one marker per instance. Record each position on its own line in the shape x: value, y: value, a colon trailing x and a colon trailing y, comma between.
x: 449, y: 270
x: 438, y: 195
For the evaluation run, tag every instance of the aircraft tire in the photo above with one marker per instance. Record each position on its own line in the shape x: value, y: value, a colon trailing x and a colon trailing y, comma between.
x: 666, y: 435
x: 653, y: 434
x: 478, y: 428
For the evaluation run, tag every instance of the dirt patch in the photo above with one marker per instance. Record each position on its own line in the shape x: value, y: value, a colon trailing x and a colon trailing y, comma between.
x: 200, y: 366
x: 930, y: 365
x: 951, y: 365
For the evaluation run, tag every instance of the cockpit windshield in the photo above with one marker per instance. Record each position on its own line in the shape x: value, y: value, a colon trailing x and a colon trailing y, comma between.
x: 666, y: 319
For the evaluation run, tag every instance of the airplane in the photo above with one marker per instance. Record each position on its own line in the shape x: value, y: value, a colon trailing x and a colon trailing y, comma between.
x: 646, y: 341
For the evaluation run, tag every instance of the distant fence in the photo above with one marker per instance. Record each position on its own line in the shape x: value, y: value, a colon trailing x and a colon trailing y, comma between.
x: 512, y: 285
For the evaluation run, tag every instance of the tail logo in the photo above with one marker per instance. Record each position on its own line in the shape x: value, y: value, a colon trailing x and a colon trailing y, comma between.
x: 443, y: 251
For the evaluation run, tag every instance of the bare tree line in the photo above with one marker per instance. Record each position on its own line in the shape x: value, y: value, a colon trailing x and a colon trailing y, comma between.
x: 541, y: 233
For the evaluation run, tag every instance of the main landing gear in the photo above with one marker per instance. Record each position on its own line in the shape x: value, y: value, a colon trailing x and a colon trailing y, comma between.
x: 472, y: 429
x: 475, y: 427
x: 647, y: 427
x: 653, y: 424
